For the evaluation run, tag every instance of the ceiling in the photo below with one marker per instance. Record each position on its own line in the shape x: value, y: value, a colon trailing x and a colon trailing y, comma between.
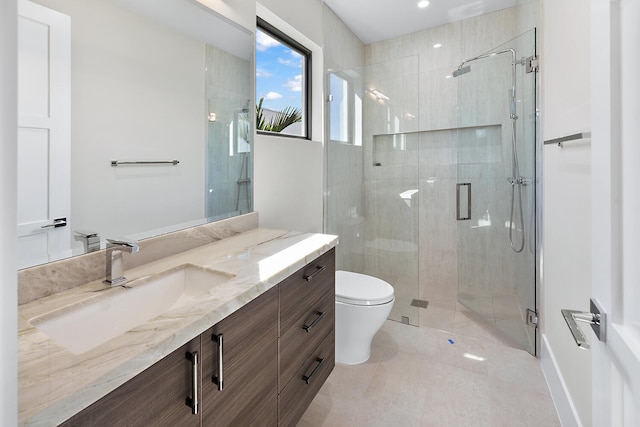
x: 376, y: 20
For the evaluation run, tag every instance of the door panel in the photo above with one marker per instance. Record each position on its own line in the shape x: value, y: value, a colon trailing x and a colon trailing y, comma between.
x: 497, y: 241
x: 44, y: 175
x: 616, y: 203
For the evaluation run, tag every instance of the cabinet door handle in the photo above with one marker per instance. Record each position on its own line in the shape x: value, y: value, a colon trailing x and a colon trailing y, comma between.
x: 461, y: 203
x: 319, y: 269
x: 307, y: 379
x: 320, y: 315
x: 218, y: 379
x: 193, y: 400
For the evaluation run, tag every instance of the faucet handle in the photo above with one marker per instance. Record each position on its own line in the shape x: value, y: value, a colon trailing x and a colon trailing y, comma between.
x: 132, y: 245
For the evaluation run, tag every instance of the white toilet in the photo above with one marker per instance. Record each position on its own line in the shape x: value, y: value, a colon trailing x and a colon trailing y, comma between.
x: 363, y: 303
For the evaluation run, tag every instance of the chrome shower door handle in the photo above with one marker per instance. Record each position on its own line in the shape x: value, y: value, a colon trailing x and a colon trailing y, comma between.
x: 463, y: 201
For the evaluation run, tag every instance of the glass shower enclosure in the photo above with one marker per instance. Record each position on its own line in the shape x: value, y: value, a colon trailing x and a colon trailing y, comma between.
x: 496, y: 179
x: 432, y: 199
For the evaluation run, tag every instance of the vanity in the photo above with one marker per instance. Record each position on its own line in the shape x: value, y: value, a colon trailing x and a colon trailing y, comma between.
x: 252, y: 350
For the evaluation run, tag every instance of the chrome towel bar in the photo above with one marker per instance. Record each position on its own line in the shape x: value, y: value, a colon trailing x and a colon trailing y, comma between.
x: 159, y: 162
x: 562, y: 140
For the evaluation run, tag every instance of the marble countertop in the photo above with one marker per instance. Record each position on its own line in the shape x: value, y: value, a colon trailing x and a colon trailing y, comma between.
x: 54, y: 383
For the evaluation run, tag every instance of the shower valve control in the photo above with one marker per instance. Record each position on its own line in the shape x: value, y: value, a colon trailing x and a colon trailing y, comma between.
x: 518, y: 181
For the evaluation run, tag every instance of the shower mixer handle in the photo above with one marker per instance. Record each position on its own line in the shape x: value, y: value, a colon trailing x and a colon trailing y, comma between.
x: 518, y: 181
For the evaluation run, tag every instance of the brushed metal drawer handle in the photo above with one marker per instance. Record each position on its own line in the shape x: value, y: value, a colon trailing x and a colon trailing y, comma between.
x: 193, y: 400
x: 319, y: 269
x: 320, y: 315
x: 307, y: 379
x: 218, y: 379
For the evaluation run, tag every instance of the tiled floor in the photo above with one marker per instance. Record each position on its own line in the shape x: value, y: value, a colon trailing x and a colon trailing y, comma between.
x: 422, y: 376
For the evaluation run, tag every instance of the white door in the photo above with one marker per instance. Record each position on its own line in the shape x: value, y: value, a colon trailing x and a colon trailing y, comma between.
x: 616, y: 209
x: 44, y: 90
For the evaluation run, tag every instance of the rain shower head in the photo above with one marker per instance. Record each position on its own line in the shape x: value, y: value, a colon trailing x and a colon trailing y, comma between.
x: 462, y: 70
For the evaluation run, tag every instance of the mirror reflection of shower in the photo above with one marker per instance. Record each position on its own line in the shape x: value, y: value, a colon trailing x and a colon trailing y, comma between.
x: 516, y: 180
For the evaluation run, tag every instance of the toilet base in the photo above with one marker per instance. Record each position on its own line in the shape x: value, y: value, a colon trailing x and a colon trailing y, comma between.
x: 355, y: 328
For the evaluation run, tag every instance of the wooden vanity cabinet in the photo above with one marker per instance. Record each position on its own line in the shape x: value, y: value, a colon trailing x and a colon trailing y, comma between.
x: 249, y: 395
x: 155, y: 397
x: 277, y: 351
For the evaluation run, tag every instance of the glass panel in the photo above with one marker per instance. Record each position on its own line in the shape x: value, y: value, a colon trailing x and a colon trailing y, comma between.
x: 344, y: 203
x: 393, y: 220
x: 497, y: 246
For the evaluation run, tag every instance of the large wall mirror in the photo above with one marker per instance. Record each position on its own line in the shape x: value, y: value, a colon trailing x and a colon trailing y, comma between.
x: 163, y: 87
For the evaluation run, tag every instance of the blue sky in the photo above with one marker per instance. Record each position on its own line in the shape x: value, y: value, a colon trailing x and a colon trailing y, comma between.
x: 278, y: 74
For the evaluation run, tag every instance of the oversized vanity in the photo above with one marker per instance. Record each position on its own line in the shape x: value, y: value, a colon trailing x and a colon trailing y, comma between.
x: 243, y: 334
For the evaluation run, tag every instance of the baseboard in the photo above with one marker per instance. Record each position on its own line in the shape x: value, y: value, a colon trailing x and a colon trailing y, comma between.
x: 561, y: 399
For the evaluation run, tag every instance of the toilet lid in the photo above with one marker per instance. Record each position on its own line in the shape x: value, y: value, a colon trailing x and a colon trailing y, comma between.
x: 360, y: 289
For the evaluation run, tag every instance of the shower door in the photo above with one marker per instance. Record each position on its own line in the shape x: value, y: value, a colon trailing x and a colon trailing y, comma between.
x: 495, y: 196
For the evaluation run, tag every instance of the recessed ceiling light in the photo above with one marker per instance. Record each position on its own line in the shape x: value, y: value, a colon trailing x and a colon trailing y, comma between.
x: 423, y: 3
x: 437, y: 45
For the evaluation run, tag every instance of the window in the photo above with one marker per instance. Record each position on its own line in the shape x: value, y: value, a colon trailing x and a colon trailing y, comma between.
x: 345, y: 108
x: 339, y: 108
x: 283, y: 89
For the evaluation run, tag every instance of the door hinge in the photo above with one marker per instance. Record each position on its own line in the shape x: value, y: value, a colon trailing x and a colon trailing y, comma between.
x: 532, y: 318
x: 329, y: 98
x: 532, y: 64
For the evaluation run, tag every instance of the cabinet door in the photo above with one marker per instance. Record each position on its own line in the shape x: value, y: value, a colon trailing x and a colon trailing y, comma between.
x: 156, y: 397
x: 249, y: 366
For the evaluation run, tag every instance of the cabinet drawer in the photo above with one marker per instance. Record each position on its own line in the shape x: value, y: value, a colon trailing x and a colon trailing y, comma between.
x: 299, y: 295
x: 299, y: 341
x: 298, y: 394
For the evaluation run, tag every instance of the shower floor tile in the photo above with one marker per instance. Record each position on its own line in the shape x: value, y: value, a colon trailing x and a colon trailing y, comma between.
x: 422, y: 376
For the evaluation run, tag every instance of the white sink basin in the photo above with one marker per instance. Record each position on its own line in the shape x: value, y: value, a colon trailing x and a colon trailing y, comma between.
x: 113, y: 312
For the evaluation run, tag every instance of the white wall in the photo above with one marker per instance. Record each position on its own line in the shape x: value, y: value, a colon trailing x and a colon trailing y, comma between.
x: 566, y: 242
x: 8, y: 218
x: 289, y: 183
x: 288, y: 172
x: 303, y: 15
x: 242, y: 12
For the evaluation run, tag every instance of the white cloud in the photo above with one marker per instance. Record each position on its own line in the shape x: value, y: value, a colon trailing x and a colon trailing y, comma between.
x: 294, y: 85
x: 264, y: 41
x: 263, y: 73
x: 272, y: 95
x: 289, y: 62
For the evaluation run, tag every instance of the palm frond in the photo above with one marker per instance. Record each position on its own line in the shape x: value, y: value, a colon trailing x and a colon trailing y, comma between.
x: 280, y: 121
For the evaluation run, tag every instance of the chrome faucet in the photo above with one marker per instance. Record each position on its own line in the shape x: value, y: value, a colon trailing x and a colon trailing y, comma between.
x: 115, y: 259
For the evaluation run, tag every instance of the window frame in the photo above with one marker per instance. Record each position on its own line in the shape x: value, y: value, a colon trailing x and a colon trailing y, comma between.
x: 293, y: 44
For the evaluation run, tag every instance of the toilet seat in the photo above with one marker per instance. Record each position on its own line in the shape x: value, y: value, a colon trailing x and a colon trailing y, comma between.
x: 360, y: 289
